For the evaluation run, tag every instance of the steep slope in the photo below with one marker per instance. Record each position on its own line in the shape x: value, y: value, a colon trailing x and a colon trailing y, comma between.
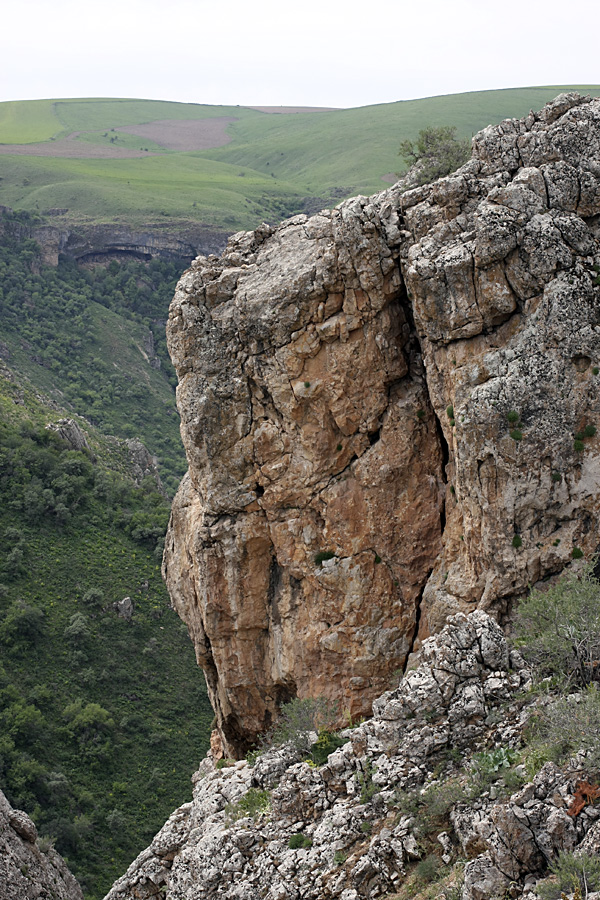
x: 389, y: 412
x: 100, y: 697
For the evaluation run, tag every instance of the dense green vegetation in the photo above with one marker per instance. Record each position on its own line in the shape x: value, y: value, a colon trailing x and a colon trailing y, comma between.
x: 273, y: 166
x: 92, y: 339
x: 102, y: 718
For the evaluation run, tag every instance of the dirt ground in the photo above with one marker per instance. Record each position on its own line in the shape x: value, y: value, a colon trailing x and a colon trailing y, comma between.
x: 71, y: 149
x: 184, y: 134
x: 172, y: 134
x: 286, y: 110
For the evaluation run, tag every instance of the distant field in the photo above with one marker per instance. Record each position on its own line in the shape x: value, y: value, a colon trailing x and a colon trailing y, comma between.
x: 23, y: 122
x: 225, y: 166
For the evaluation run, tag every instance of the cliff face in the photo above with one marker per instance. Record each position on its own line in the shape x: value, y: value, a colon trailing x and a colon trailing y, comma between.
x: 399, y: 385
x: 90, y: 244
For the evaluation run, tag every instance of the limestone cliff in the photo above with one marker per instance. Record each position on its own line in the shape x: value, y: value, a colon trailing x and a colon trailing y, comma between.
x: 389, y: 414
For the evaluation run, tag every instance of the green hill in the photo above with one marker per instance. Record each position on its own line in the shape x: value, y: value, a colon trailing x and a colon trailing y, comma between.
x: 271, y: 166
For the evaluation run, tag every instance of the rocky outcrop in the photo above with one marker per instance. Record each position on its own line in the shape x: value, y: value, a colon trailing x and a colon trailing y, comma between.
x: 26, y: 871
x: 95, y: 243
x: 90, y: 244
x: 345, y: 829
x: 389, y: 413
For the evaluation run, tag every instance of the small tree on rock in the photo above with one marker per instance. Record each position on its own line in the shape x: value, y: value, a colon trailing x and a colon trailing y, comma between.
x: 435, y: 153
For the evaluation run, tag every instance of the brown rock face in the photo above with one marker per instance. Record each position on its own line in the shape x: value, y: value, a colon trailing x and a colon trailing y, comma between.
x: 348, y: 387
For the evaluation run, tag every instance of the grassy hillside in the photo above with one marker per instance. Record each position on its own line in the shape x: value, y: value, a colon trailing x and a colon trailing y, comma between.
x: 355, y: 147
x: 103, y: 718
x: 270, y: 165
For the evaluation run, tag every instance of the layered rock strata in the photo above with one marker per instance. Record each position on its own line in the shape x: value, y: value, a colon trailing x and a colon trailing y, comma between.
x: 357, y: 839
x: 389, y: 413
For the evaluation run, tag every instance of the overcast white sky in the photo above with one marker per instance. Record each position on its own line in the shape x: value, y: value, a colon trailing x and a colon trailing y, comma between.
x: 313, y: 52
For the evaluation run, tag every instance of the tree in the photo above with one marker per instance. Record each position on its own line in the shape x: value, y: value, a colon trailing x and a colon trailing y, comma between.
x: 436, y: 152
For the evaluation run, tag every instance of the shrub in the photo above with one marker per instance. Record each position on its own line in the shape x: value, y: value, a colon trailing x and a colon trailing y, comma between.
x: 326, y: 743
x: 559, y: 630
x: 93, y: 597
x: 23, y: 626
x: 438, y: 152
x: 299, y: 720
x: 570, y: 724
x: 571, y: 874
x: 589, y: 431
x: 339, y: 857
x: 516, y: 434
x: 578, y: 445
x: 488, y: 764
x: 450, y: 411
x: 577, y: 553
x: 513, y: 416
x: 322, y: 555
x: 368, y: 788
x: 517, y: 541
x: 428, y: 869
x: 299, y: 842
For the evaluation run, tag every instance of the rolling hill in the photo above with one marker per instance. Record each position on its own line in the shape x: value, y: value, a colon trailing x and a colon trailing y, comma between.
x: 142, y: 161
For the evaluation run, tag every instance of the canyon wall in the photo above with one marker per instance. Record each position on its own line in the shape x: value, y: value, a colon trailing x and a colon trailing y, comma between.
x: 389, y: 414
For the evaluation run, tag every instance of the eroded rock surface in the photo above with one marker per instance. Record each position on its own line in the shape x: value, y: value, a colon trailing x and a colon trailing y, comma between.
x: 398, y: 384
x: 26, y: 871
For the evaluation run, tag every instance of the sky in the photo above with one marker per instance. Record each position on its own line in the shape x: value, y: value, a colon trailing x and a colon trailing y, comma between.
x: 309, y: 53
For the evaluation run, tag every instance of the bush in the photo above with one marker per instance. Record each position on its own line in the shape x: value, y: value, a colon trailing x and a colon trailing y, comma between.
x: 559, y: 630
x: 568, y: 725
x: 299, y: 842
x: 571, y: 873
x: 326, y: 743
x: 252, y: 804
x: 428, y: 869
x: 488, y: 765
x: 23, y: 625
x: 437, y: 151
x: 299, y: 720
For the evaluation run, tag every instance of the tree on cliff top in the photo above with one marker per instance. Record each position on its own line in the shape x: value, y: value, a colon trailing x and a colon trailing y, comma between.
x: 436, y: 152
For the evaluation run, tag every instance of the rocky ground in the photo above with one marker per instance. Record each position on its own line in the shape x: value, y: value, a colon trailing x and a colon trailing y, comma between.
x: 387, y: 812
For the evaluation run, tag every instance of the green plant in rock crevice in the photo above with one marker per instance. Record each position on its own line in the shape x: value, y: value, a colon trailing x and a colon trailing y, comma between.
x: 255, y: 802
